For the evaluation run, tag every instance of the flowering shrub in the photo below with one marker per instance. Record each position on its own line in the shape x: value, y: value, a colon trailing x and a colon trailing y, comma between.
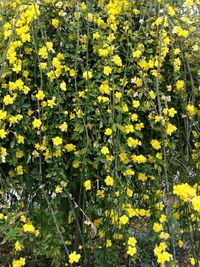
x: 99, y: 133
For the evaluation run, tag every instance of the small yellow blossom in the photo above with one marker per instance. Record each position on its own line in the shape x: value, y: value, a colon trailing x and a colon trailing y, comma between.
x: 87, y: 75
x: 28, y: 227
x: 131, y: 250
x: 107, y: 70
x: 58, y: 189
x: 87, y: 185
x: 109, y: 181
x: 18, y: 246
x: 19, y: 263
x: 74, y: 257
x: 8, y: 100
x: 132, y: 241
x: 117, y: 60
x: 180, y: 86
x: 196, y: 203
x: 123, y: 219
x: 57, y: 141
x: 63, y: 127
x: 180, y: 243
x: 3, y: 133
x: 40, y: 95
x: 70, y: 147
x: 36, y: 123
x: 129, y: 192
x: 105, y: 150
x: 108, y: 131
x: 157, y: 227
x: 170, y: 128
x: 55, y: 23
x: 136, y: 53
x: 63, y: 86
x: 136, y: 103
x: 155, y: 144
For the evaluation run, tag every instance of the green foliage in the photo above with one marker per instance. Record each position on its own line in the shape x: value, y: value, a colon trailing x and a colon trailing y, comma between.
x: 99, y: 133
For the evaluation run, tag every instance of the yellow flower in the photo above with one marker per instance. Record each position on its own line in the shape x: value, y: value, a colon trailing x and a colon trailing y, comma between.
x: 164, y: 257
x: 124, y: 157
x: 170, y: 128
x: 63, y: 127
x: 73, y: 257
x: 57, y: 141
x: 28, y: 227
x: 163, y: 218
x: 3, y: 133
x: 87, y: 75
x: 191, y: 110
x: 133, y: 143
x: 55, y: 23
x: 108, y: 131
x: 70, y: 147
x: 184, y: 191
x: 3, y: 114
x: 155, y: 144
x: 100, y: 193
x: 19, y: 170
x: 192, y: 261
x: 131, y: 250
x: 63, y: 86
x: 180, y: 85
x: 58, y: 189
x: 107, y: 70
x: 136, y: 103
x: 123, y: 219
x: 87, y: 185
x: 136, y: 54
x: 104, y: 88
x: 172, y: 112
x: 43, y: 65
x: 196, y: 203
x: 189, y: 3
x: 117, y: 60
x: 132, y: 241
x: 127, y: 172
x: 19, y: 263
x: 43, y: 52
x: 108, y: 243
x: 51, y: 103
x: 96, y: 35
x: 40, y: 95
x: 19, y: 154
x: 128, y: 128
x: 152, y: 94
x: 18, y: 246
x: 139, y: 159
x: 180, y: 243
x: 129, y: 192
x: 134, y: 117
x: 157, y: 227
x: 109, y: 181
x: 72, y: 72
x: 8, y: 100
x: 164, y: 235
x: 142, y: 177
x: 180, y: 32
x: 36, y: 123
x: 105, y: 150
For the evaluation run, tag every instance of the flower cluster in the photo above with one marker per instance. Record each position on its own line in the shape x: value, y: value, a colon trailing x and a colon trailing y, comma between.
x: 99, y: 135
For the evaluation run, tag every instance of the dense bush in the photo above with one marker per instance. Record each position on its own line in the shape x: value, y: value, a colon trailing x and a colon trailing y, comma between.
x: 99, y: 133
